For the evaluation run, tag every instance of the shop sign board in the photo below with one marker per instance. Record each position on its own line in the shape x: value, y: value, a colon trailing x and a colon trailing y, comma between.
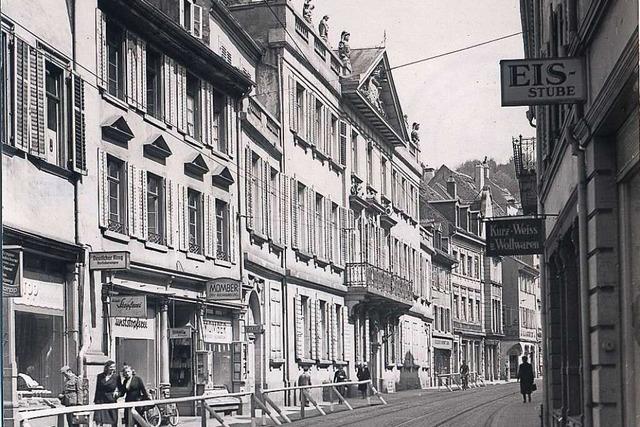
x: 224, y: 289
x: 515, y: 236
x: 128, y: 306
x: 217, y: 331
x: 130, y: 327
x: 442, y: 344
x: 528, y: 194
x: 179, y: 333
x: 542, y: 81
x: 254, y: 329
x: 11, y: 271
x: 119, y: 260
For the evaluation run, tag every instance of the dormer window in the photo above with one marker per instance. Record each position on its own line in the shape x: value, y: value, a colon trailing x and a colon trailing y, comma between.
x: 191, y: 17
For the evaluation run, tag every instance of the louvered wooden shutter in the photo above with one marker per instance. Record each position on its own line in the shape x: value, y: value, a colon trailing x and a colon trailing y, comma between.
x: 36, y: 102
x: 171, y: 213
x: 206, y: 108
x: 22, y: 95
x: 132, y: 191
x: 103, y: 190
x: 182, y: 220
x: 342, y: 235
x: 328, y: 229
x: 143, y: 231
x: 266, y: 190
x: 206, y: 235
x: 351, y: 234
x: 311, y: 221
x: 284, y: 209
x: 233, y: 245
x: 181, y: 82
x: 173, y: 87
x: 249, y: 180
x: 142, y: 74
x: 167, y: 90
x: 333, y: 350
x: 299, y: 327
x: 131, y: 60
x: 101, y: 49
x: 343, y: 143
x: 292, y: 104
x: 295, y: 217
x: 231, y: 125
x: 347, y: 335
x: 78, y: 126
x: 316, y: 331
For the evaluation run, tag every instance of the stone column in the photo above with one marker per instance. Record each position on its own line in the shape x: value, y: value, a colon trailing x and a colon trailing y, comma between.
x: 164, y: 347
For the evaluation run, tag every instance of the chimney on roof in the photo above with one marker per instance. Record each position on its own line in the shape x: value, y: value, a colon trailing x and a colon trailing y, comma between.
x: 427, y: 174
x: 452, y: 188
x: 479, y: 176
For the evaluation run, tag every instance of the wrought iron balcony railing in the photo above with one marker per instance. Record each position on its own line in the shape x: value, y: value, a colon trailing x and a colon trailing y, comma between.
x: 524, y: 156
x: 379, y: 281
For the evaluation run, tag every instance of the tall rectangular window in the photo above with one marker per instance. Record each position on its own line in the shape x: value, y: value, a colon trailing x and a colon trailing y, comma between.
x: 222, y: 230
x: 478, y: 316
x: 117, y: 196
x: 306, y: 321
x: 275, y: 316
x: 471, y: 313
x: 302, y: 216
x: 334, y: 149
x: 195, y: 220
x: 324, y: 331
x: 220, y: 119
x: 300, y: 95
x: 54, y: 139
x: 6, y: 88
x: 369, y: 164
x: 456, y: 307
x: 383, y: 174
x: 193, y: 106
x: 154, y: 83
x: 320, y: 225
x: 339, y: 332
x: 317, y: 124
x: 354, y: 152
x: 115, y: 60
x: 464, y: 308
x: 155, y: 209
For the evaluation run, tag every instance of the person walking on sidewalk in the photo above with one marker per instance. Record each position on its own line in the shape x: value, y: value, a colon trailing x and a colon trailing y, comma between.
x: 304, y: 379
x: 339, y: 377
x: 363, y: 374
x: 464, y: 374
x: 525, y: 376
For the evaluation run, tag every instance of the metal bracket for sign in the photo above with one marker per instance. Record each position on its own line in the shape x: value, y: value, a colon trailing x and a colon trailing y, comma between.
x: 545, y: 215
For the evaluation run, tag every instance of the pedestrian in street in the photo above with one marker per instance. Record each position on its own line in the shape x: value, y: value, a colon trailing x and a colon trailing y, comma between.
x: 525, y: 376
x: 133, y: 389
x: 363, y: 374
x: 107, y: 391
x: 506, y: 371
x: 70, y: 395
x: 339, y: 377
x: 464, y: 375
x: 303, y: 380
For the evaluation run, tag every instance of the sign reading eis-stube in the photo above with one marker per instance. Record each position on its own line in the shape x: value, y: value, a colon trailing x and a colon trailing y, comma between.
x: 515, y: 236
x: 542, y: 81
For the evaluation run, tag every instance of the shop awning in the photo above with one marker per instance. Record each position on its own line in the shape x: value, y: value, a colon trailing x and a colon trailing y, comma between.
x: 140, y: 287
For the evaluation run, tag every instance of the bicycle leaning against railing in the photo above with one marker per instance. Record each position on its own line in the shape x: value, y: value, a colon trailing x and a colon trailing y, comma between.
x: 164, y: 414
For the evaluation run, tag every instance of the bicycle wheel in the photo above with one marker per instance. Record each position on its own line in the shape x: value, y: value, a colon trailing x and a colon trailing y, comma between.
x: 153, y: 416
x: 173, y: 415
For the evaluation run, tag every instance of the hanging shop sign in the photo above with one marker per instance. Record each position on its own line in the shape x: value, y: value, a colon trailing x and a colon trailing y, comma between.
x: 254, y: 329
x: 515, y: 236
x: 129, y: 327
x: 180, y: 333
x: 217, y: 331
x: 119, y: 260
x: 224, y: 289
x: 128, y: 306
x: 11, y: 271
x: 542, y: 81
x: 442, y: 344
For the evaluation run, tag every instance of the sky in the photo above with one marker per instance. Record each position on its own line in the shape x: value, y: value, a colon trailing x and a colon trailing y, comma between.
x: 456, y: 99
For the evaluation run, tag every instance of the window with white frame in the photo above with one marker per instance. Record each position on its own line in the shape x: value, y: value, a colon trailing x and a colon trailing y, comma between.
x: 155, y: 209
x: 195, y: 221
x: 354, y: 151
x: 320, y: 227
x: 191, y: 17
x: 275, y: 317
x: 325, y: 331
x: 154, y: 83
x: 219, y: 121
x: 55, y: 114
x: 222, y: 230
x: 193, y: 107
x: 116, y: 179
x: 115, y: 59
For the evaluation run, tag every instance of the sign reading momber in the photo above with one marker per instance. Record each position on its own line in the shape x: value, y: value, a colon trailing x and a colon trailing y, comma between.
x: 542, y: 81
x: 109, y: 260
x: 515, y: 236
x: 129, y: 306
x: 224, y: 289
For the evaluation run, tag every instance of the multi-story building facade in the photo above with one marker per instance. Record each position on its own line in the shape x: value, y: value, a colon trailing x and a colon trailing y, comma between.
x: 588, y: 181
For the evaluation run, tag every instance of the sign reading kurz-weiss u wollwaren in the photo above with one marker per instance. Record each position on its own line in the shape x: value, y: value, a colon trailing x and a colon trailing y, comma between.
x: 542, y: 81
x: 515, y: 236
x: 224, y: 289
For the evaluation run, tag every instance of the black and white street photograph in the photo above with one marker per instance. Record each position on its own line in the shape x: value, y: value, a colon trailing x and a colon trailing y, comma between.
x: 362, y: 213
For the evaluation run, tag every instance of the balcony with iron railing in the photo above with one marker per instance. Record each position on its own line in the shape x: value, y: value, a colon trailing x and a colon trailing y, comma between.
x: 369, y: 282
x: 524, y: 159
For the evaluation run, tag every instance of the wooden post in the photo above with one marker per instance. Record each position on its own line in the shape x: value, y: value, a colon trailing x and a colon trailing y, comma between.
x: 378, y: 395
x: 342, y: 399
x: 313, y: 402
x: 278, y: 410
x: 303, y: 403
x: 266, y: 410
x: 203, y: 414
x: 215, y: 415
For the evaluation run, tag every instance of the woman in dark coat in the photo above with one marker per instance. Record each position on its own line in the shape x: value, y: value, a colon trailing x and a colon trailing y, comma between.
x: 363, y: 374
x: 133, y: 389
x: 107, y: 391
x: 525, y: 376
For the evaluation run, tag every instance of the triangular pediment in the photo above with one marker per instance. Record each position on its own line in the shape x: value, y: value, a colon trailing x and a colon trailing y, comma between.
x: 197, y: 166
x: 222, y: 176
x: 158, y: 147
x: 117, y: 128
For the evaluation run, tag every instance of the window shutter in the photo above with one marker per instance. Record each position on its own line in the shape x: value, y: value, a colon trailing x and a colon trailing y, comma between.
x: 78, y: 126
x: 351, y: 234
x: 328, y: 238
x: 196, y: 13
x: 333, y: 351
x: 292, y: 104
x: 131, y: 200
x: 316, y: 335
x: 101, y: 49
x: 264, y: 197
x: 311, y: 102
x: 206, y: 235
x: 248, y: 188
x: 103, y: 195
x: 173, y: 87
x: 233, y: 235
x: 343, y: 143
x: 182, y: 218
x: 347, y: 334
x: 142, y: 202
x: 299, y: 327
x: 142, y: 74
x: 206, y: 95
x: 342, y: 236
x: 295, y: 217
x: 231, y: 120
x: 311, y: 220
x: 131, y: 67
x: 170, y: 212
x: 167, y: 89
x: 36, y: 101
x: 284, y: 209
x: 181, y: 82
x: 259, y: 209
x: 22, y: 95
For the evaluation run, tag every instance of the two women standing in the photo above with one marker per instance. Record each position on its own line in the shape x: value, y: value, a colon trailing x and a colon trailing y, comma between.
x: 110, y: 386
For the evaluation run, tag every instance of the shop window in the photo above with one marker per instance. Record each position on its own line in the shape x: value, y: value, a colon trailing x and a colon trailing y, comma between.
x: 115, y: 60
x: 222, y: 230
x: 154, y: 83
x: 140, y: 355
x: 155, y: 209
x: 39, y: 351
x: 195, y: 221
x: 116, y: 181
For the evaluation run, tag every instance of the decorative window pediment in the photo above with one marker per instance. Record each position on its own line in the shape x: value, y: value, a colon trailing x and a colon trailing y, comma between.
x: 197, y: 166
x: 158, y: 147
x: 222, y: 176
x: 117, y: 128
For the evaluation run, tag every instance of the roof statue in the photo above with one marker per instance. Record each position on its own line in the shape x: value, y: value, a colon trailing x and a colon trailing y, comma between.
x: 415, y: 135
x: 344, y: 50
x: 307, y: 10
x: 323, y: 28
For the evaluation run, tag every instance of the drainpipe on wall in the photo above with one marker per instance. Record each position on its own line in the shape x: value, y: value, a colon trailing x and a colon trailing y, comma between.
x: 585, y: 314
